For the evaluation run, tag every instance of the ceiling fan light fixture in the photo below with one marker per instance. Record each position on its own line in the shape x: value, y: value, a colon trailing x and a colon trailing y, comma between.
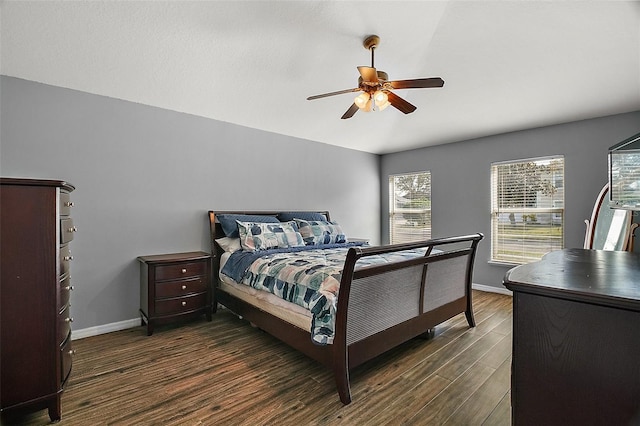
x: 381, y: 98
x: 383, y: 106
x: 362, y: 100
x: 377, y: 90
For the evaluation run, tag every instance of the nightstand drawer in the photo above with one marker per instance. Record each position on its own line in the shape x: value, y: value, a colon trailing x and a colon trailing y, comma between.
x: 181, y: 304
x: 180, y: 288
x: 183, y: 270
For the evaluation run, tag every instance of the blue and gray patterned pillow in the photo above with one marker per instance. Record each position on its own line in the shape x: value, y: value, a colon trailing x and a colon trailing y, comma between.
x: 229, y: 221
x: 318, y: 232
x: 263, y: 236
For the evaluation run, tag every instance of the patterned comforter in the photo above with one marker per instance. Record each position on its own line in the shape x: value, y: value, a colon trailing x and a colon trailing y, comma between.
x: 309, y: 278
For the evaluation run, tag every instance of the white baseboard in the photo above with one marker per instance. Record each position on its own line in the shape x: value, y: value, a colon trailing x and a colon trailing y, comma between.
x: 106, y: 328
x: 492, y: 289
x: 135, y: 322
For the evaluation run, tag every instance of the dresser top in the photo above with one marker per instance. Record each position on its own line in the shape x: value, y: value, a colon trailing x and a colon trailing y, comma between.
x: 610, y: 278
x: 36, y: 182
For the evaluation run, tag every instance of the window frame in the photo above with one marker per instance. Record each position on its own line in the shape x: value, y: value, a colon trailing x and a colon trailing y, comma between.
x: 497, y: 236
x: 425, y: 231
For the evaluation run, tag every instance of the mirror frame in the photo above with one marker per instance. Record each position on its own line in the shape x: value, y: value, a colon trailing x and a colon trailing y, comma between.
x: 627, y: 243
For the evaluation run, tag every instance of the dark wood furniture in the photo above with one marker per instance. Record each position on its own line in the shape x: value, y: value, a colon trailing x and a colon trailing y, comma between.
x: 35, y: 329
x: 576, y: 339
x: 408, y: 299
x: 174, y: 287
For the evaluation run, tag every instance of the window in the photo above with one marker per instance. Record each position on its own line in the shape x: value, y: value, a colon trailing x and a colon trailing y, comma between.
x: 410, y: 207
x: 527, y: 209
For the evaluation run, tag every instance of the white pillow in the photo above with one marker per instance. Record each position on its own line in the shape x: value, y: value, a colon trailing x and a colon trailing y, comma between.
x: 229, y: 244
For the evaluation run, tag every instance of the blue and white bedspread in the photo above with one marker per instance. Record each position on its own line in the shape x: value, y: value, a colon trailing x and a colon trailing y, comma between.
x: 308, y: 276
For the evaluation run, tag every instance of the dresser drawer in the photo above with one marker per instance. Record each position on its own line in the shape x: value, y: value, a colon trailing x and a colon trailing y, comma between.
x: 65, y: 203
x: 64, y: 325
x: 182, y: 270
x: 181, y: 304
x: 66, y: 359
x: 180, y: 288
x: 66, y: 230
x: 64, y: 292
x: 65, y: 258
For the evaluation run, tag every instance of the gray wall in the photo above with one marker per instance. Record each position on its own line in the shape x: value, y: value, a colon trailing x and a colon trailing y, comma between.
x: 145, y: 178
x: 460, y: 174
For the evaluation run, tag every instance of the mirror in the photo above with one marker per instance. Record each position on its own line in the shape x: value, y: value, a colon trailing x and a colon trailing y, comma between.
x: 609, y: 229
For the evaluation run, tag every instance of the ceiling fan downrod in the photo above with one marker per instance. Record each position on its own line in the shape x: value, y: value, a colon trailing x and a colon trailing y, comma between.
x: 370, y: 43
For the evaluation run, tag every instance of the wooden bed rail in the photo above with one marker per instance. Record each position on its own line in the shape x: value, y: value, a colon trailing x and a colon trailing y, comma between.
x: 407, y: 297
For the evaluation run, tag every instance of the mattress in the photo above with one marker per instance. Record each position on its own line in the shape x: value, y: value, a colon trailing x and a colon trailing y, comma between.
x: 268, y: 302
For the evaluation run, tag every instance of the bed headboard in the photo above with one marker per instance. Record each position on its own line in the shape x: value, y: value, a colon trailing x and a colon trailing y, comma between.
x: 216, y: 229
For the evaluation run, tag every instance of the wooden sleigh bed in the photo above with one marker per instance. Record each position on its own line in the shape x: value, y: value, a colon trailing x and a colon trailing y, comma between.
x: 379, y: 305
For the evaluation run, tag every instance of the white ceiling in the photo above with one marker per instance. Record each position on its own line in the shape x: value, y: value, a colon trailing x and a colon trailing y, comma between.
x: 507, y: 65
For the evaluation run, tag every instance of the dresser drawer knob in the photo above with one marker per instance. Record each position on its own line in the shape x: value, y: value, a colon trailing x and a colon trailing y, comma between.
x: 184, y: 287
x: 70, y: 319
x: 72, y: 229
x: 69, y: 288
x: 69, y: 204
x: 184, y: 303
x: 68, y: 257
x: 72, y: 352
x: 184, y: 270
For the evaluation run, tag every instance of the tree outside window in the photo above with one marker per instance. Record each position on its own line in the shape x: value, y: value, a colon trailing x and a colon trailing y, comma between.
x: 410, y: 207
x: 527, y: 199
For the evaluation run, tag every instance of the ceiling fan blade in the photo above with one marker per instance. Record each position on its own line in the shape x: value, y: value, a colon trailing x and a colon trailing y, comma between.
x: 417, y: 83
x: 339, y: 92
x: 352, y: 110
x: 400, y: 104
x: 368, y: 74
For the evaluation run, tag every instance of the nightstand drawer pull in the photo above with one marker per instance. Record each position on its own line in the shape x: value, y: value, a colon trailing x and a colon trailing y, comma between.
x: 184, y: 303
x: 184, y: 287
x: 69, y: 288
x: 72, y: 229
x: 184, y: 270
x: 70, y: 319
x: 72, y: 352
x: 68, y: 257
x: 69, y: 204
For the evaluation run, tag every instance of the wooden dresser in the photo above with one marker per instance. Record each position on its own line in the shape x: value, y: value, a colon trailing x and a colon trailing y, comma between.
x: 35, y: 329
x: 173, y: 287
x: 576, y: 339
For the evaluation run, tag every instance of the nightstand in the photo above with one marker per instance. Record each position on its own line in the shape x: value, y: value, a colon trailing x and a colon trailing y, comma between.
x: 174, y: 287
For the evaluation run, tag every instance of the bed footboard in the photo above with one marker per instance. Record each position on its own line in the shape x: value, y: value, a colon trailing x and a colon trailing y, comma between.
x: 383, y: 306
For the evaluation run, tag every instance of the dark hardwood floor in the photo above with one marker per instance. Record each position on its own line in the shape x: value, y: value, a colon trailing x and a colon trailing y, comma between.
x: 227, y: 372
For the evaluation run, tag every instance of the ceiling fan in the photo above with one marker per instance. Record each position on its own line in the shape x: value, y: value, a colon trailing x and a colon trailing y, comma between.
x: 377, y: 89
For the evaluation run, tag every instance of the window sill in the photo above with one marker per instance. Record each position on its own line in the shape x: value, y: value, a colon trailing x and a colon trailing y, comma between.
x: 501, y: 263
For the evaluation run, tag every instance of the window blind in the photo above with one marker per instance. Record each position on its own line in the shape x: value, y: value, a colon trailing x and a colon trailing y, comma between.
x: 410, y: 207
x: 527, y: 209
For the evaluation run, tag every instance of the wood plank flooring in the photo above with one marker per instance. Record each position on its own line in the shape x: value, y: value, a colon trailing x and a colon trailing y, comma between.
x: 226, y: 372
